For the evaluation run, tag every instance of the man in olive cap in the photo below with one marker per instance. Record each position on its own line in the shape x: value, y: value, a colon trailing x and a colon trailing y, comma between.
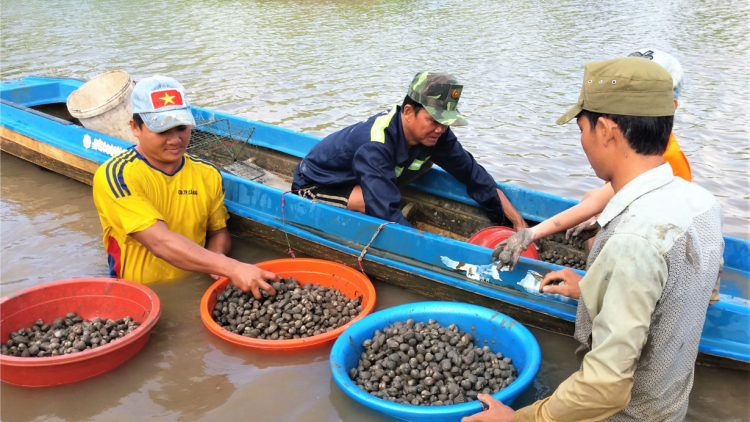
x: 361, y: 167
x: 652, y: 268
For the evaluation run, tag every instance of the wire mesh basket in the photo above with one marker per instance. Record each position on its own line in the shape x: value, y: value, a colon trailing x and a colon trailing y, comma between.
x: 218, y: 141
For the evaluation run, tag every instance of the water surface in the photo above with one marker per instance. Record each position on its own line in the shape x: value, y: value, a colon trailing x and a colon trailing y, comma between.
x: 49, y: 230
x: 317, y: 66
x: 320, y: 65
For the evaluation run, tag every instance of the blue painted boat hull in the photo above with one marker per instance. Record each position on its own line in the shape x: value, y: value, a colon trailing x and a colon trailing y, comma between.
x: 406, y: 255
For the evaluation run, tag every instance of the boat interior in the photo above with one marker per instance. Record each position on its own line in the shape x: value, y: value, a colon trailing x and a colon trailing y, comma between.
x: 236, y: 154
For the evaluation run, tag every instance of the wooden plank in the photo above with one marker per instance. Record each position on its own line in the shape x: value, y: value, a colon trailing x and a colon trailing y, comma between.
x: 47, y: 156
x: 704, y: 359
x: 421, y: 225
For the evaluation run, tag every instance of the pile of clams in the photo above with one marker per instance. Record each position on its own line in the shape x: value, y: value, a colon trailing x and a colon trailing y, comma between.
x: 66, y: 335
x: 294, y: 312
x: 429, y: 365
x: 556, y: 249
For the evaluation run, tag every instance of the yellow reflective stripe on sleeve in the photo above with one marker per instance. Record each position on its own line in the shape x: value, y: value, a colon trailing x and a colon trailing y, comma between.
x: 377, y: 132
x: 417, y: 164
x: 399, y: 170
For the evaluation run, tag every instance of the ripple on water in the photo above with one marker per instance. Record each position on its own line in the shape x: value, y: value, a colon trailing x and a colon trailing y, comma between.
x: 321, y: 65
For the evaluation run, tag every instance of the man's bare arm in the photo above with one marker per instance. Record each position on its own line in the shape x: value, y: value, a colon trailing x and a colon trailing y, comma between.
x: 511, y: 212
x: 562, y: 221
x: 189, y: 256
x: 219, y: 241
x: 577, y: 214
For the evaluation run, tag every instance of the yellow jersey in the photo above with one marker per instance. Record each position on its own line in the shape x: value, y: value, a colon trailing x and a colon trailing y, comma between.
x: 131, y: 195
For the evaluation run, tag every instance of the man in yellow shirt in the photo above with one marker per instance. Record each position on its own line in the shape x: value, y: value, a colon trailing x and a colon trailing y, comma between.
x: 162, y: 209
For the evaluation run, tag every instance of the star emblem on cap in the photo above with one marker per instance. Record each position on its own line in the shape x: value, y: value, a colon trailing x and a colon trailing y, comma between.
x: 455, y: 93
x: 167, y: 98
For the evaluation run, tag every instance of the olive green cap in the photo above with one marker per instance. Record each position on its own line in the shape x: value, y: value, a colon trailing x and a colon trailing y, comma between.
x: 628, y: 86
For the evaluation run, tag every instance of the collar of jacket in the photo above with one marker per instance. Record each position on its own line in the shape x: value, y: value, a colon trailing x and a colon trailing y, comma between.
x: 641, y: 185
x: 396, y: 130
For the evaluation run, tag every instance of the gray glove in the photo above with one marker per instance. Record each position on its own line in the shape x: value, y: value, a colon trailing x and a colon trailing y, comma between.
x: 509, y: 250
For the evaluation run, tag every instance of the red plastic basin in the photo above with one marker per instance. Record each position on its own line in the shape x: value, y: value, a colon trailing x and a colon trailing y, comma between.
x: 350, y: 282
x: 89, y: 298
x: 491, y: 236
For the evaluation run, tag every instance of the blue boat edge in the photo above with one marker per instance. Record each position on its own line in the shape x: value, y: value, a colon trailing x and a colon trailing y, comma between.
x: 725, y: 332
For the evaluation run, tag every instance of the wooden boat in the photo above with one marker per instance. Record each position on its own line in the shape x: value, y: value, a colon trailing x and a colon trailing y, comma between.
x: 36, y: 126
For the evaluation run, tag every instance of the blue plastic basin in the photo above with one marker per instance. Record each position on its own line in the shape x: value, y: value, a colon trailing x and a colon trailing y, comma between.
x: 510, y: 338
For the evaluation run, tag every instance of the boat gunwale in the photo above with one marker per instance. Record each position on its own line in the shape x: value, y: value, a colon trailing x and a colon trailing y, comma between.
x: 53, y: 140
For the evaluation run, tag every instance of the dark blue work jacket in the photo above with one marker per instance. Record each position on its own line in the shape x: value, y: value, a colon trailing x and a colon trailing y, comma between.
x: 374, y: 155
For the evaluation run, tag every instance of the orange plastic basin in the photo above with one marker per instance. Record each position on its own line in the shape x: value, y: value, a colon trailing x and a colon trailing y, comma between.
x: 491, y: 236
x: 89, y: 298
x: 350, y: 282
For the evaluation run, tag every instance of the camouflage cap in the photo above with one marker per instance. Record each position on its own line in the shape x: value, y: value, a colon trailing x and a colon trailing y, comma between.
x: 439, y: 93
x: 629, y: 86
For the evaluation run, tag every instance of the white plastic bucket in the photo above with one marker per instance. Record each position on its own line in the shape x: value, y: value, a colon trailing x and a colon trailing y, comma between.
x: 103, y: 104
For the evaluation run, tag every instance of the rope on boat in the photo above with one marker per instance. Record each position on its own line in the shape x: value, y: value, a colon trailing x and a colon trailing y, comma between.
x: 364, y: 251
x: 283, y: 219
x: 289, y: 245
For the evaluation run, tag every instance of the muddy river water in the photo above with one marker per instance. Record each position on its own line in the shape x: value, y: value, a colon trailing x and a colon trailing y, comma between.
x: 320, y: 65
x: 317, y: 66
x: 50, y: 231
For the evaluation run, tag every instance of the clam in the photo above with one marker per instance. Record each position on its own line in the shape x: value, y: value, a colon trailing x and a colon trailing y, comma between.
x: 65, y: 335
x: 296, y: 311
x: 425, y: 364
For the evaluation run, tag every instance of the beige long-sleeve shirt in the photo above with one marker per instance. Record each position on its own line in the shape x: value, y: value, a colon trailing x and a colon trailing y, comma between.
x: 634, y: 306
